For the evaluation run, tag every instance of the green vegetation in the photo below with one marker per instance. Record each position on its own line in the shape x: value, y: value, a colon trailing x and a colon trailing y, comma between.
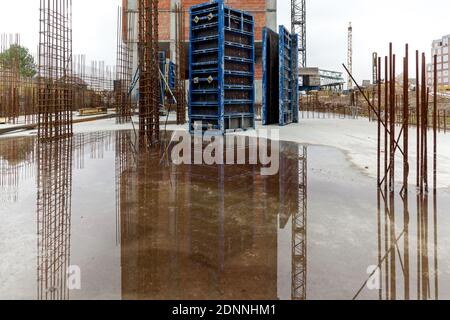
x: 9, y: 58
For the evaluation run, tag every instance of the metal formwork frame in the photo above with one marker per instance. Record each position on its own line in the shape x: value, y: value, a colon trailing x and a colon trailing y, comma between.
x: 227, y: 110
x: 288, y: 77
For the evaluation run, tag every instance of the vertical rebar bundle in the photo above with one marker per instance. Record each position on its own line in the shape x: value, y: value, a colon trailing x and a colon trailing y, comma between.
x: 396, y: 116
x: 180, y: 90
x: 149, y: 85
x: 124, y: 64
x: 10, y: 78
x: 55, y: 102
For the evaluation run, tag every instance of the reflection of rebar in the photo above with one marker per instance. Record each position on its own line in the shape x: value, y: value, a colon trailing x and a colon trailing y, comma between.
x: 54, y: 218
x: 55, y: 70
x: 16, y: 165
x: 299, y: 232
x: 124, y: 167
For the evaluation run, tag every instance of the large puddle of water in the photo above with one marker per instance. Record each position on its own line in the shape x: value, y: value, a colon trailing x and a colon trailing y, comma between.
x: 91, y: 218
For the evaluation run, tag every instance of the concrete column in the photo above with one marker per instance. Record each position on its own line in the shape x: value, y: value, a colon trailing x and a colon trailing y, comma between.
x: 173, y: 29
x: 271, y: 14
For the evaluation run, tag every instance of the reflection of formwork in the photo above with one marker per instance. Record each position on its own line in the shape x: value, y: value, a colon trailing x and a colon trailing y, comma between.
x: 198, y: 231
x: 55, y: 70
x: 54, y: 218
x: 149, y: 89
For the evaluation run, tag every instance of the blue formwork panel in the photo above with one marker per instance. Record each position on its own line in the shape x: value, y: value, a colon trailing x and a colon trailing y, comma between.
x: 270, y: 64
x: 288, y: 66
x: 172, y: 75
x: 221, y: 68
x: 280, y: 103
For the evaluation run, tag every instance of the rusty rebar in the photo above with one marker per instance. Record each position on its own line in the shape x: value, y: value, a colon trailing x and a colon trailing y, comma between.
x: 55, y: 100
x: 149, y: 83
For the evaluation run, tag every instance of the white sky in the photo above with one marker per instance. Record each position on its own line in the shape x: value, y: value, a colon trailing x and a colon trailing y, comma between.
x: 375, y: 24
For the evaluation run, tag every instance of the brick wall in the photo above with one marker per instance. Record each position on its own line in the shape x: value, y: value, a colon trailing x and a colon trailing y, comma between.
x: 254, y: 7
x: 164, y: 19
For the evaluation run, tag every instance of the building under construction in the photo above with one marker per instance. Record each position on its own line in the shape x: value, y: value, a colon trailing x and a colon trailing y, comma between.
x: 263, y: 11
x: 213, y: 162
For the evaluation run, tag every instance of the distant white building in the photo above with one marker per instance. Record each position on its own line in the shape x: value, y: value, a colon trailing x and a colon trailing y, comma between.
x: 440, y: 48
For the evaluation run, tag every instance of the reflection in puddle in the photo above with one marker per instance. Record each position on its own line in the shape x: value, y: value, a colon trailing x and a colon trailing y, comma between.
x: 54, y: 182
x: 17, y: 158
x: 209, y: 232
x: 203, y: 232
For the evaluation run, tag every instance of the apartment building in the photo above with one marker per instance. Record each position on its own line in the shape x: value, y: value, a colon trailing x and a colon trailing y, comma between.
x: 440, y: 48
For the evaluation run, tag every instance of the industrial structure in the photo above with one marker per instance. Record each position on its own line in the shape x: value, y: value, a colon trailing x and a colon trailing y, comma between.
x: 319, y: 79
x: 298, y: 26
x: 350, y: 56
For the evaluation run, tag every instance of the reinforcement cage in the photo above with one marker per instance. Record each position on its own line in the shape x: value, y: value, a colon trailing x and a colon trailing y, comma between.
x: 221, y: 68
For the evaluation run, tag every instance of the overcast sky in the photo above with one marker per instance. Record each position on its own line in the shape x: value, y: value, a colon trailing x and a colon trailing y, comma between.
x: 375, y: 23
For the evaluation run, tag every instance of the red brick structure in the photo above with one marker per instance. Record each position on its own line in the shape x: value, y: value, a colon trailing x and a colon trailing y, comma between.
x: 258, y: 8
x: 264, y: 12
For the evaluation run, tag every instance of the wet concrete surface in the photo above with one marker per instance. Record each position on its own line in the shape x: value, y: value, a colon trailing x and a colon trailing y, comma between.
x: 138, y: 227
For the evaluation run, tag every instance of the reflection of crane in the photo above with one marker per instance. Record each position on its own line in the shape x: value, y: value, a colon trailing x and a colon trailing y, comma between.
x: 298, y: 20
x: 350, y: 56
x: 299, y: 235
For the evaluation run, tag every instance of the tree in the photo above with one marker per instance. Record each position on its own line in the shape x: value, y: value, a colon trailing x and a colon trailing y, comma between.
x: 27, y: 66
